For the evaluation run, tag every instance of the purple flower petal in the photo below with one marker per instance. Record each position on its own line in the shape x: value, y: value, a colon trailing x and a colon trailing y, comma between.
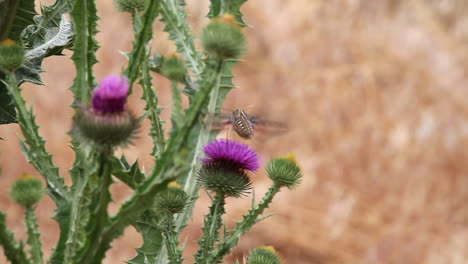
x: 232, y: 151
x: 111, y: 95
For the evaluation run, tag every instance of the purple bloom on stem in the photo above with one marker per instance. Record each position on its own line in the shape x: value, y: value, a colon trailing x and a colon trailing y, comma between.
x: 231, y: 153
x: 111, y: 95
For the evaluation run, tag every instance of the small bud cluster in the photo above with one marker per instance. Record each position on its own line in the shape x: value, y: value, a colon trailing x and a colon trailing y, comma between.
x: 172, y: 200
x: 284, y: 171
x: 173, y: 68
x: 11, y: 55
x: 224, y: 38
x: 27, y: 190
x: 107, y: 122
x: 264, y: 255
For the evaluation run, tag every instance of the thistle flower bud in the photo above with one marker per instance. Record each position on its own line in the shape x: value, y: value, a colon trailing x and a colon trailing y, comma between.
x: 173, y: 68
x: 224, y: 38
x: 131, y: 5
x: 284, y: 171
x: 264, y: 255
x: 225, y: 168
x: 172, y: 200
x: 223, y: 180
x: 111, y: 95
x: 27, y: 190
x: 107, y: 122
x: 11, y: 55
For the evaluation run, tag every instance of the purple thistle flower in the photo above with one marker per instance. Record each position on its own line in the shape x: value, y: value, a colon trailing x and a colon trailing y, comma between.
x: 111, y: 95
x: 231, y: 153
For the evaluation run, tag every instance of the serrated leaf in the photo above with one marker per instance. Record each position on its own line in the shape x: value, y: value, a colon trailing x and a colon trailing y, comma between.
x: 84, y: 16
x: 152, y: 239
x: 174, y: 16
x: 152, y: 109
x: 129, y: 174
x: 15, y: 15
x: 56, y: 40
x: 13, y: 250
x: 220, y: 7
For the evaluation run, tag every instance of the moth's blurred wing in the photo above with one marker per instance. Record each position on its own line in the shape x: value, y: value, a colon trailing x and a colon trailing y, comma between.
x: 217, y: 122
x: 266, y: 128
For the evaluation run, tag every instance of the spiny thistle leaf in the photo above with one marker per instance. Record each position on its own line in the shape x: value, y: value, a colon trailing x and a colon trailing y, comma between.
x: 129, y: 174
x: 152, y: 239
x: 220, y: 7
x: 84, y: 15
x: 42, y: 36
x: 13, y: 250
x: 49, y: 35
x: 173, y: 15
x: 51, y: 43
x: 15, y: 15
x: 34, y: 145
x: 152, y: 109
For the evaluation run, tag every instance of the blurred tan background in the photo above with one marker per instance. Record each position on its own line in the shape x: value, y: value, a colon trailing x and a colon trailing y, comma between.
x: 376, y: 99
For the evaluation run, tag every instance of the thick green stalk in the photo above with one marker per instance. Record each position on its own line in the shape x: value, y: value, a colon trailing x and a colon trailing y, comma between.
x: 99, y: 215
x: 34, y: 146
x: 242, y: 227
x: 190, y: 186
x: 142, y: 38
x: 213, y: 223
x: 34, y: 240
x: 11, y: 248
x: 171, y: 240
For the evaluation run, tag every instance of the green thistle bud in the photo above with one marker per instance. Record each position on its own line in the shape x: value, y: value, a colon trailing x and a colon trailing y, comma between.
x: 11, y: 55
x: 284, y: 171
x: 264, y: 255
x: 107, y: 122
x: 27, y: 190
x: 224, y: 180
x: 173, y: 68
x: 106, y: 130
x: 224, y: 38
x: 172, y: 200
x: 131, y: 5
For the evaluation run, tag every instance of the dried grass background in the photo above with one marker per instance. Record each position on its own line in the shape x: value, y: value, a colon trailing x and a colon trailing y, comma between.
x: 375, y: 94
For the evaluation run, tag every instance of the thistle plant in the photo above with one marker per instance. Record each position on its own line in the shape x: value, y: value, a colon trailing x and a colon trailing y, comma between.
x: 187, y: 158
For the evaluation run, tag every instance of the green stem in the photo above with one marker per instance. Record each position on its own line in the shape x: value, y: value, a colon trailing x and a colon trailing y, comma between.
x: 34, y: 145
x: 171, y: 241
x: 13, y: 250
x: 190, y: 186
x: 213, y: 223
x: 142, y: 38
x: 99, y: 212
x: 34, y: 240
x: 245, y: 225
